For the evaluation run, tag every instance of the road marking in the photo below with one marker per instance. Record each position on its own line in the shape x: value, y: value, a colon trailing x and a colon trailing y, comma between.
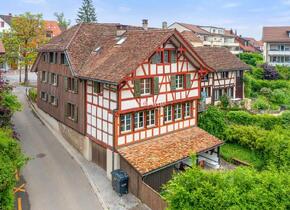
x: 19, y: 204
x: 19, y: 189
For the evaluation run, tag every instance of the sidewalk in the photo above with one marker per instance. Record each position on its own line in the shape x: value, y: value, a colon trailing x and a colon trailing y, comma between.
x: 97, y: 177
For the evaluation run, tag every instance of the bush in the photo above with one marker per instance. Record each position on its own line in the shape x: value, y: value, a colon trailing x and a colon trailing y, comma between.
x: 224, y: 101
x: 284, y: 72
x: 279, y: 96
x: 261, y: 103
x: 213, y: 121
x: 243, y: 188
x: 32, y: 94
x: 251, y: 58
x: 270, y: 72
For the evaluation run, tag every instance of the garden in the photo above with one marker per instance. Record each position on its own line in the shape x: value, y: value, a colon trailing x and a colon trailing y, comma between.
x: 255, y: 137
x: 11, y: 156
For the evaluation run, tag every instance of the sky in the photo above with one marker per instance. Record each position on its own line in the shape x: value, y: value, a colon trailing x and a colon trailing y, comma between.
x: 246, y: 16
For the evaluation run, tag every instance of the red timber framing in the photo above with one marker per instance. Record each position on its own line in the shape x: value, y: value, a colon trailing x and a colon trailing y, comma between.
x: 128, y: 103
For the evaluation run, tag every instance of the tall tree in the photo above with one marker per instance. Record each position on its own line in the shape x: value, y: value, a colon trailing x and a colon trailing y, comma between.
x: 62, y: 21
x: 87, y: 12
x: 30, y: 32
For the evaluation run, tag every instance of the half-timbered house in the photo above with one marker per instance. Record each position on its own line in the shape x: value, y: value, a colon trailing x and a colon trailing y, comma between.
x: 133, y: 94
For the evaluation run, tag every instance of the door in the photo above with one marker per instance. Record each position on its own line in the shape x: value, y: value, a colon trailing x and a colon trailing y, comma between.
x: 239, y: 84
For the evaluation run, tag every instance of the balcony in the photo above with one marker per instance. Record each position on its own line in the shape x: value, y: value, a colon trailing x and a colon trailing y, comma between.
x: 278, y: 52
x: 279, y: 63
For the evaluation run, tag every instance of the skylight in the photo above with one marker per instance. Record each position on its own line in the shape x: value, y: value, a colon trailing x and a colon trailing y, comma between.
x: 121, y: 40
x: 98, y: 49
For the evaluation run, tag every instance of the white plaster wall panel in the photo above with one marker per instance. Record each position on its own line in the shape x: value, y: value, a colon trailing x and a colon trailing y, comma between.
x: 89, y: 98
x: 89, y: 128
x: 186, y: 123
x: 89, y: 108
x: 193, y: 93
x: 159, y: 69
x: 121, y: 140
x: 161, y: 98
x: 99, y: 135
x: 155, y: 131
x: 167, y: 69
x: 100, y: 102
x: 150, y: 102
x: 170, y: 46
x: 146, y: 68
x: 89, y: 118
x: 129, y: 138
x: 94, y: 121
x: 169, y: 97
x: 99, y: 123
x: 195, y: 84
x: 105, y: 137
x: 126, y: 94
x: 175, y: 126
x: 136, y: 136
x: 94, y: 110
x: 191, y: 67
x: 106, y: 93
x: 105, y: 114
x: 192, y: 121
x: 89, y: 89
x: 106, y: 104
x: 110, y: 128
x: 142, y: 135
x: 99, y: 112
x: 139, y: 71
x: 163, y: 129
x: 113, y: 105
x: 129, y: 104
x: 177, y: 95
x: 110, y: 117
x: 183, y: 94
x: 153, y: 69
x: 113, y: 96
x: 181, y: 124
x: 174, y: 67
x: 163, y: 88
x: 149, y: 133
x: 110, y: 140
x: 170, y: 128
x: 105, y: 126
x: 94, y: 132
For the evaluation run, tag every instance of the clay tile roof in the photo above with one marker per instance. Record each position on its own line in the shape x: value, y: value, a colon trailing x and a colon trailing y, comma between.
x: 276, y: 34
x: 51, y: 25
x: 194, y: 28
x: 191, y: 37
x: 161, y: 151
x: 2, y: 49
x: 6, y: 18
x: 220, y: 59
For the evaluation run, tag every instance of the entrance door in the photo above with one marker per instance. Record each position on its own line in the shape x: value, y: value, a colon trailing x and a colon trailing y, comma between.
x: 239, y: 84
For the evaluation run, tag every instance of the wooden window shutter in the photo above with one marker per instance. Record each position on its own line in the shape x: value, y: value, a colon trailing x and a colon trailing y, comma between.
x: 75, y: 85
x: 173, y: 82
x: 75, y: 113
x: 188, y: 81
x: 137, y: 92
x: 156, y: 85
x: 65, y: 83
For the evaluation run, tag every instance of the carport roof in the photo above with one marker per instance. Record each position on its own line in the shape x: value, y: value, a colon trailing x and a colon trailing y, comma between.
x: 162, y: 151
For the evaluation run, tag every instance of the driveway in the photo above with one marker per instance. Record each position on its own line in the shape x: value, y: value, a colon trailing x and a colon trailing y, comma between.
x: 54, y: 180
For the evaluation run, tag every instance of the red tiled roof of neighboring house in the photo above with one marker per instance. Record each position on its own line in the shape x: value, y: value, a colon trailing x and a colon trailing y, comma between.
x: 229, y: 33
x: 112, y: 62
x: 220, y: 59
x: 194, y: 28
x: 168, y: 149
x: 276, y: 34
x: 2, y: 49
x: 191, y: 37
x: 7, y: 18
x: 51, y: 25
x: 254, y: 42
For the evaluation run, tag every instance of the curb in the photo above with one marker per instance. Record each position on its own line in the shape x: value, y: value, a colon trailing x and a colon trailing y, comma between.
x: 71, y: 152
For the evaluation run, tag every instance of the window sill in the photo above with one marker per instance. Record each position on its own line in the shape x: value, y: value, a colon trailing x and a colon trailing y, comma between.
x: 125, y: 132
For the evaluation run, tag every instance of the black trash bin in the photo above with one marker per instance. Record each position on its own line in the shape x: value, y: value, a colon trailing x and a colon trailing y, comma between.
x: 120, y: 181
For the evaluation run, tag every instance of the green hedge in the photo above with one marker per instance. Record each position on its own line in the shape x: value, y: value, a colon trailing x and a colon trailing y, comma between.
x: 243, y: 188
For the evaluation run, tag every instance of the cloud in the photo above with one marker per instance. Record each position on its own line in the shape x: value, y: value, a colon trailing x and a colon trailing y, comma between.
x: 230, y: 5
x: 124, y: 9
x: 286, y: 2
x: 33, y: 1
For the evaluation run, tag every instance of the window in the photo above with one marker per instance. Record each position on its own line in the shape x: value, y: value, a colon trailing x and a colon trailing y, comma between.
x: 150, y: 118
x: 177, y: 111
x: 139, y: 120
x: 216, y: 94
x: 121, y: 40
x: 230, y: 92
x: 63, y: 59
x: 125, y: 122
x: 145, y: 86
x: 71, y: 111
x: 173, y: 56
x: 187, y: 109
x: 205, y: 92
x: 224, y: 75
x: 44, y: 56
x: 53, y: 100
x: 51, y: 57
x: 55, y: 58
x: 43, y: 76
x: 71, y: 84
x: 49, y: 34
x: 166, y: 58
x: 167, y: 113
x: 43, y: 96
x: 179, y: 81
x: 53, y: 79
x: 205, y: 78
x: 96, y: 87
x: 156, y: 58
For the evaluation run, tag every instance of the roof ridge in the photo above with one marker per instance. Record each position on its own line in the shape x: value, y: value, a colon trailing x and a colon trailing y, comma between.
x: 74, y: 35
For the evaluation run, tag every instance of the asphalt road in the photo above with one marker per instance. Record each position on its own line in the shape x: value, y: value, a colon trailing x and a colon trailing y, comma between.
x: 54, y: 180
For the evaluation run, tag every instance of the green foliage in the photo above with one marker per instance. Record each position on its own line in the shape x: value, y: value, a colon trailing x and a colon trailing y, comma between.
x: 10, y: 101
x: 212, y: 121
x: 251, y: 58
x: 242, y: 188
x: 236, y: 151
x: 261, y: 103
x: 225, y: 101
x: 284, y: 72
x: 279, y: 96
x: 61, y: 20
x: 32, y: 94
x: 86, y: 13
x: 257, y: 72
x: 11, y: 159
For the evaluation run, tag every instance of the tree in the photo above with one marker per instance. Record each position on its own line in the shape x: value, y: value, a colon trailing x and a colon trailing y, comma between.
x: 270, y: 72
x: 62, y: 22
x: 30, y: 32
x: 86, y: 13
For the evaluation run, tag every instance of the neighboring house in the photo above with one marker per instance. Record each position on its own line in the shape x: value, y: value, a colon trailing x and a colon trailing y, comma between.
x: 277, y: 45
x: 3, y: 64
x: 257, y: 44
x: 5, y: 22
x: 211, y: 36
x: 52, y: 28
x: 249, y: 44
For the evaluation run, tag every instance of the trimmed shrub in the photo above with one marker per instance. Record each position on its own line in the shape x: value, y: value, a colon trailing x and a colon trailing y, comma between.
x: 261, y: 103
x: 32, y: 94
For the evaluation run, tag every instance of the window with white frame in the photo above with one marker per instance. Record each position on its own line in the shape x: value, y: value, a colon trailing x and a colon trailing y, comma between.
x: 150, y: 118
x: 187, y: 109
x: 145, y: 86
x: 139, y: 120
x: 168, y: 113
x: 43, y: 76
x: 53, y: 79
x: 177, y: 111
x: 216, y: 94
x: 44, y: 96
x: 53, y: 100
x: 224, y: 74
x: 179, y: 81
x: 125, y: 122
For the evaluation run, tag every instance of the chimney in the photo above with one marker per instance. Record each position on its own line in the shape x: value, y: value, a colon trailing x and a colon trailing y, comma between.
x: 164, y: 25
x: 145, y: 24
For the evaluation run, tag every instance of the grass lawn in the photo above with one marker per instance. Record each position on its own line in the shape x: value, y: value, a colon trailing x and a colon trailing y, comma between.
x: 230, y: 151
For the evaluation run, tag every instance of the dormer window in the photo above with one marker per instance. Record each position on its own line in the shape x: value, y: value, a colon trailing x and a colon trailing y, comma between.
x: 288, y: 32
x: 167, y: 56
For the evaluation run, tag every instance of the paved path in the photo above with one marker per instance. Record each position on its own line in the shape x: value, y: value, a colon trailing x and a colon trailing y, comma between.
x: 54, y: 180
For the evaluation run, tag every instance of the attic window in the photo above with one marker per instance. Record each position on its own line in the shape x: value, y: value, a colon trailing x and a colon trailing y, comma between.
x: 121, y: 40
x: 288, y: 32
x: 98, y: 49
